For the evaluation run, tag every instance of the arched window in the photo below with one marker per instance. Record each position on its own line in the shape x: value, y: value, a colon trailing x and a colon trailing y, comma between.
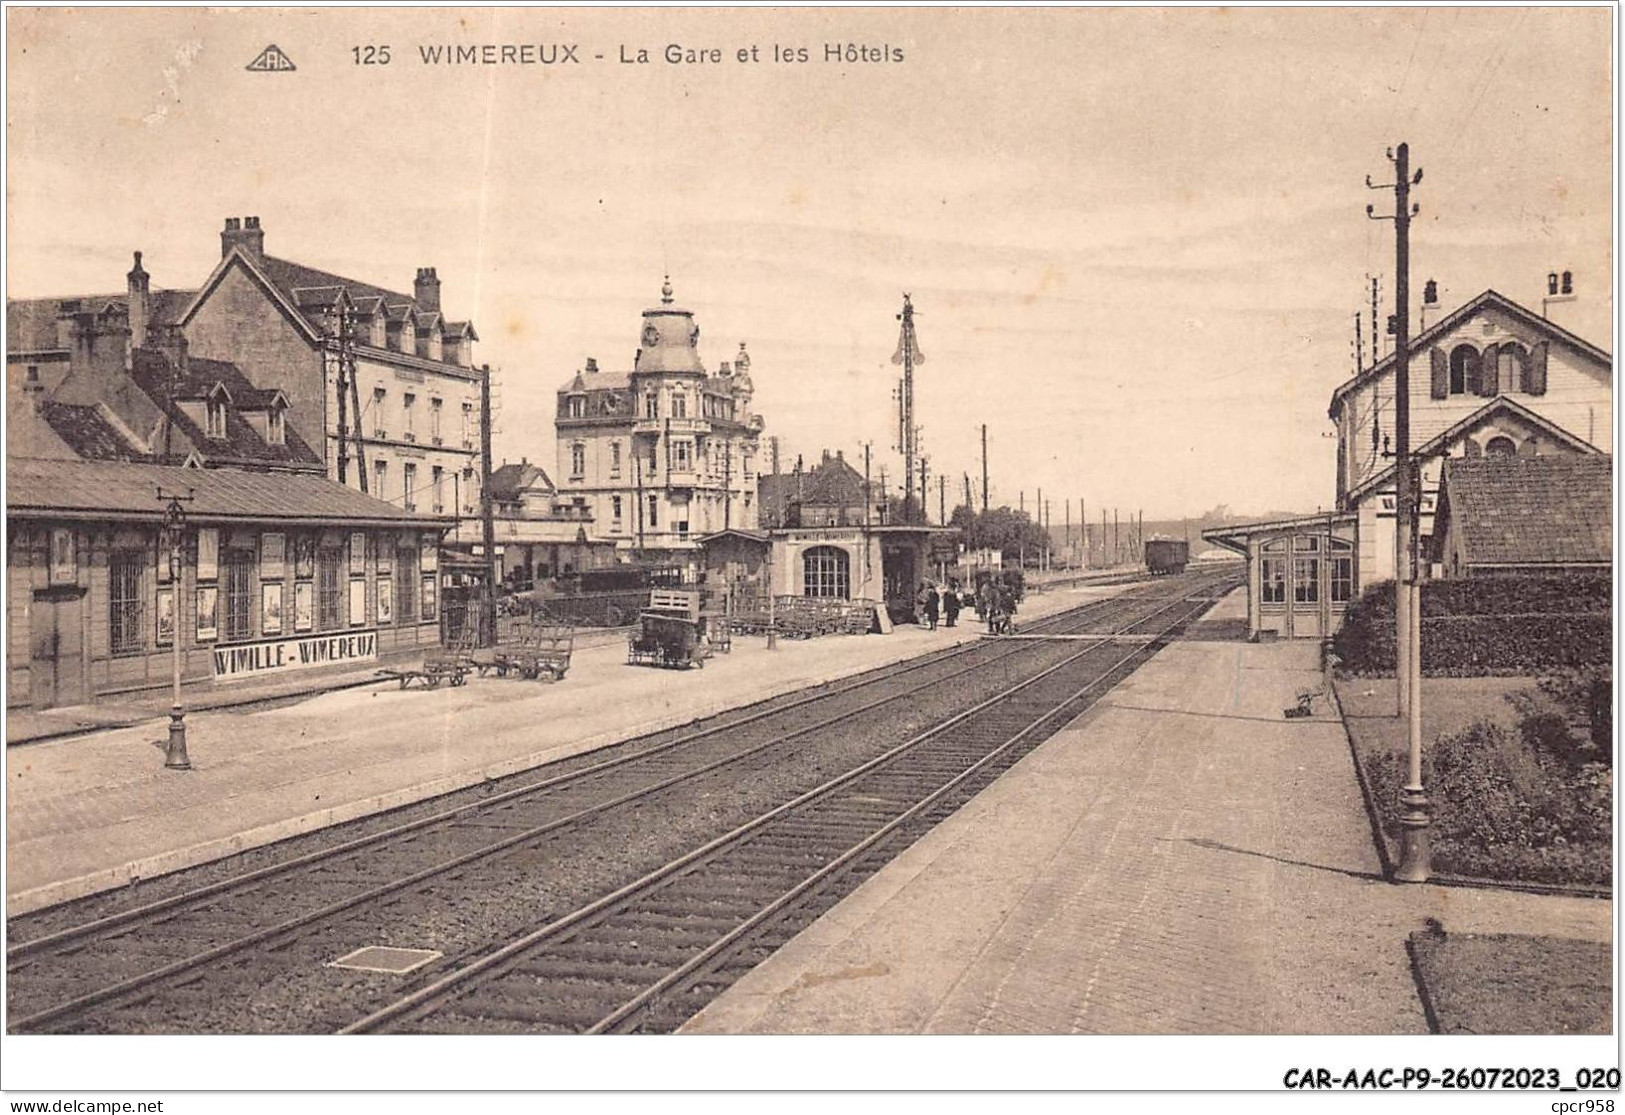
x: 1464, y: 365
x: 1509, y: 361
x: 826, y: 572
x: 1502, y: 446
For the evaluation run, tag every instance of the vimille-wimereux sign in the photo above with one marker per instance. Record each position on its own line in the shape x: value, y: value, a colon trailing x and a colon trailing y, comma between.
x: 256, y: 659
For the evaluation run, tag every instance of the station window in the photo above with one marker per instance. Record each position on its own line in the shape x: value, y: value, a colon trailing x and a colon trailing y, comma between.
x: 615, y: 511
x: 127, y: 611
x: 654, y: 517
x: 237, y: 570
x: 328, y: 561
x: 1272, y: 580
x: 1464, y: 365
x: 682, y: 455
x: 406, y: 581
x: 409, y: 484
x: 826, y: 571
x: 679, y: 405
x: 651, y: 405
x: 1305, y: 580
x: 614, y: 458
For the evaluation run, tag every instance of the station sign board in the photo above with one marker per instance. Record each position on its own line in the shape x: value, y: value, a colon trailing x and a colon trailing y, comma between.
x: 270, y: 657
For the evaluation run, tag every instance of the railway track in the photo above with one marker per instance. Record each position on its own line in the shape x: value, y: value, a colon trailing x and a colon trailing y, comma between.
x: 106, y: 972
x: 649, y: 954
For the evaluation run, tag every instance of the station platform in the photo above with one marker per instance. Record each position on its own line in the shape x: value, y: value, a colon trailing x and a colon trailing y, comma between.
x: 93, y: 811
x: 1181, y: 859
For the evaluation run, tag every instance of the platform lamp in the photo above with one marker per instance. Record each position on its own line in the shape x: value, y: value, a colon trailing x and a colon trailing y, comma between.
x: 175, y: 525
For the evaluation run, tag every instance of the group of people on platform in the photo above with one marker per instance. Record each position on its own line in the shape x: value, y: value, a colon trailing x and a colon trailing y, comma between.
x: 994, y: 599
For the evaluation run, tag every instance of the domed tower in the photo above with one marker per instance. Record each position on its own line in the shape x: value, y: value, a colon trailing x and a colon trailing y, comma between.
x: 670, y: 342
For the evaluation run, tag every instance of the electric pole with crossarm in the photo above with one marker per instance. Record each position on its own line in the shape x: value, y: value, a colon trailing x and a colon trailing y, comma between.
x: 1415, y: 820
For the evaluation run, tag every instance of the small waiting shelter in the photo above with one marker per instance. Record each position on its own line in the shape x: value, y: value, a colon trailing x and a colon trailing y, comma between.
x: 879, y: 563
x: 1301, y: 572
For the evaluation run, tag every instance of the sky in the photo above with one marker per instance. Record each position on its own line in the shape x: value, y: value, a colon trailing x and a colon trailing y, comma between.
x: 1135, y: 239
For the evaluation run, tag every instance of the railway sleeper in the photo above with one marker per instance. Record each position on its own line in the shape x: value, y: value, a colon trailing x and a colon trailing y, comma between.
x: 587, y: 968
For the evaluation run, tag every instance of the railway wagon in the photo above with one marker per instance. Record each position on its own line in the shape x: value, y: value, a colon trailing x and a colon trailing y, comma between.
x: 1166, y: 555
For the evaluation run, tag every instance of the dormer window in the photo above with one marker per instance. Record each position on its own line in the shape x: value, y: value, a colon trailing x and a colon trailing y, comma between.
x: 276, y: 428
x: 578, y: 406
x: 215, y: 418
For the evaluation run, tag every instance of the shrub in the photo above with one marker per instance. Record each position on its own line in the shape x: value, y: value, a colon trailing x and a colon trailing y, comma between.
x: 1364, y: 643
x: 1504, y: 809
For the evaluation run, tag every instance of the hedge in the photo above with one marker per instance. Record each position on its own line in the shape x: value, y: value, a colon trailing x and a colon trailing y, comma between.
x: 1482, y: 627
x: 1506, y: 810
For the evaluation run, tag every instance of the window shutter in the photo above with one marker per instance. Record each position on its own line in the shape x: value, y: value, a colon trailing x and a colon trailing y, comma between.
x: 1489, y: 372
x: 1441, y: 373
x: 1535, y: 370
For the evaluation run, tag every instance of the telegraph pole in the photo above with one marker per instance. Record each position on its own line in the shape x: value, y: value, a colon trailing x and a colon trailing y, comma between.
x: 908, y: 355
x: 1415, y: 840
x: 343, y: 392
x: 488, y: 526
x: 984, y: 468
x: 942, y: 500
x: 868, y: 493
x: 923, y: 490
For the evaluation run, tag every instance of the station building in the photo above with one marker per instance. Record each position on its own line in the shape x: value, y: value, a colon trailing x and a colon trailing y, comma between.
x: 1491, y: 380
x: 277, y: 572
x: 664, y: 453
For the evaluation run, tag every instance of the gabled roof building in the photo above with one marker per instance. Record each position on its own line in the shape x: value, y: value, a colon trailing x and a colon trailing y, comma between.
x: 1490, y: 379
x: 1507, y: 515
x: 406, y: 425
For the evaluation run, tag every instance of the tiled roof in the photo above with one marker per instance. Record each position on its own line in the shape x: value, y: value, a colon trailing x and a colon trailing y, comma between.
x: 1531, y: 510
x: 830, y: 483
x: 508, y: 481
x: 88, y: 489
x: 89, y: 433
x: 290, y: 276
x: 31, y: 322
x: 242, y: 443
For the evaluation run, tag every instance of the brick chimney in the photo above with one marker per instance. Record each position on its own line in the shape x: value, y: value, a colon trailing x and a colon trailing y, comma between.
x: 140, y: 303
x: 426, y: 289
x: 245, y: 234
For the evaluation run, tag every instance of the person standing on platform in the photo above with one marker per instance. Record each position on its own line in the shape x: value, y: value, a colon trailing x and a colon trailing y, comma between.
x: 987, y: 599
x: 950, y: 602
x: 928, y: 604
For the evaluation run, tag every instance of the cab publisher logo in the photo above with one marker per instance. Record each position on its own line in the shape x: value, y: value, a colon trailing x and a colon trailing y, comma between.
x: 272, y: 60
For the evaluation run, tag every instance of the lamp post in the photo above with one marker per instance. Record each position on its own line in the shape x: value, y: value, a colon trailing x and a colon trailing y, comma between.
x: 175, y: 757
